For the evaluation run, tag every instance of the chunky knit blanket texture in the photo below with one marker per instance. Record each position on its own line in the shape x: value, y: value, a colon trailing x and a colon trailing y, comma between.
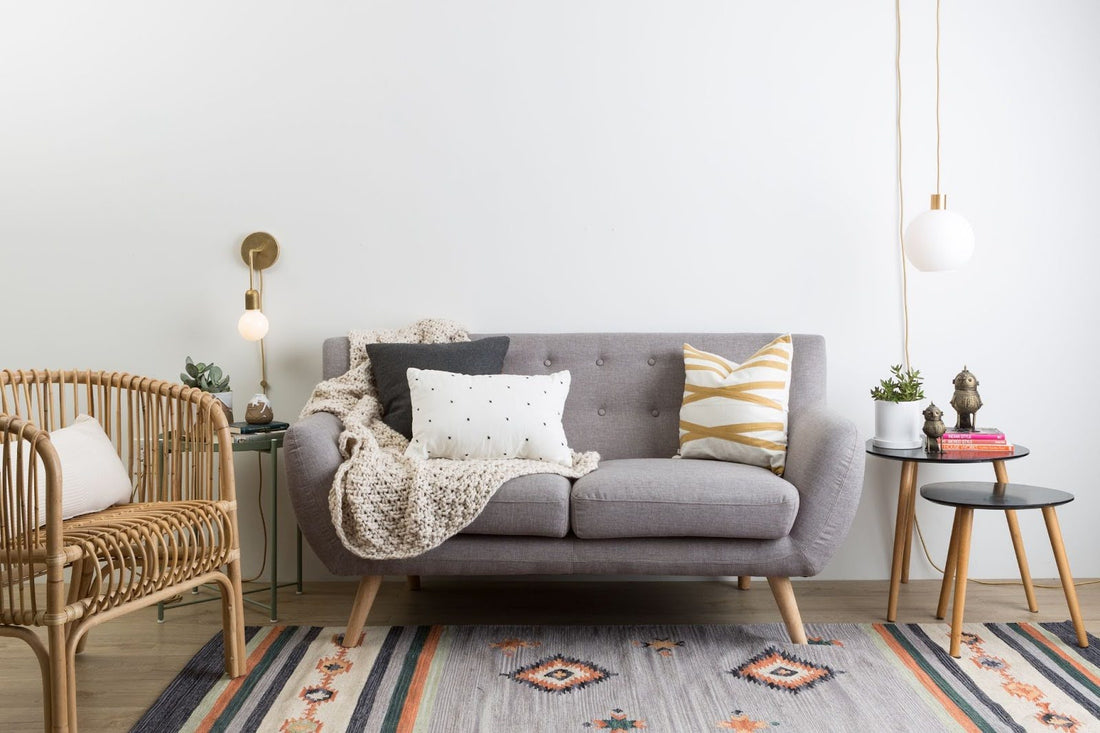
x: 385, y: 505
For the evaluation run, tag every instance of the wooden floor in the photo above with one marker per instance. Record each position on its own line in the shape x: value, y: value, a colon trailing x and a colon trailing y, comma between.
x: 128, y: 662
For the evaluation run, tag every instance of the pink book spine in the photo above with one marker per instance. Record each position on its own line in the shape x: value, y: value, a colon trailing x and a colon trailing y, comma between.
x: 979, y: 447
x: 973, y: 436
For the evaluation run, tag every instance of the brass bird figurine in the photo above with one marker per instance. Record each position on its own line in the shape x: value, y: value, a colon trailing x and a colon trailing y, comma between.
x: 933, y: 426
x: 966, y: 399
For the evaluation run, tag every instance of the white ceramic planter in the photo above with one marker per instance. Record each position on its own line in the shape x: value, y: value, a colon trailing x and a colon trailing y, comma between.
x: 226, y: 398
x: 898, y: 424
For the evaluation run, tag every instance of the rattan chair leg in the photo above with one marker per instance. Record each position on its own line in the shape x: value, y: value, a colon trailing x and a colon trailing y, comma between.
x: 71, y: 645
x: 87, y: 576
x: 80, y: 585
x: 57, y: 691
x: 233, y: 621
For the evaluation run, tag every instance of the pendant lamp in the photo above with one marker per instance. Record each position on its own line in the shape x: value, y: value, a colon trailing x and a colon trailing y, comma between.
x: 938, y: 239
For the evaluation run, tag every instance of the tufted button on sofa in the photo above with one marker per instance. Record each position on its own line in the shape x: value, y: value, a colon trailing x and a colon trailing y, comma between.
x: 643, y: 511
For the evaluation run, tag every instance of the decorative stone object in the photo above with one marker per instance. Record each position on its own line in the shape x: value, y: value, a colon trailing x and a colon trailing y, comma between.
x: 966, y: 401
x: 258, y: 411
x: 933, y: 427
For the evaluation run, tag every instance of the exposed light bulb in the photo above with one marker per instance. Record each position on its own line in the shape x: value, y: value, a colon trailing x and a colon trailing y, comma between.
x: 939, y: 240
x: 253, y: 325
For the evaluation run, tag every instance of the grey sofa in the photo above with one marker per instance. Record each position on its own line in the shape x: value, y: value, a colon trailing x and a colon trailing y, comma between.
x: 642, y: 512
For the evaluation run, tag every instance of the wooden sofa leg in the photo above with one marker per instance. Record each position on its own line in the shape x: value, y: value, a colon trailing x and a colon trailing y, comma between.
x: 788, y: 608
x: 364, y: 599
x: 413, y: 581
x: 743, y: 582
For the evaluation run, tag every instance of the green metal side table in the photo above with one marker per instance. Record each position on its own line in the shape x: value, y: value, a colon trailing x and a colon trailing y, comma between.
x: 269, y: 443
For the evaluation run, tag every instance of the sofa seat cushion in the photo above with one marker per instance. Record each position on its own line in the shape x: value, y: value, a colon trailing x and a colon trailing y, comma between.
x: 682, y: 497
x: 535, y: 506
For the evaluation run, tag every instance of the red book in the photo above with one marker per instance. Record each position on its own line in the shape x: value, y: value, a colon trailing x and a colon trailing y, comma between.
x: 980, y: 434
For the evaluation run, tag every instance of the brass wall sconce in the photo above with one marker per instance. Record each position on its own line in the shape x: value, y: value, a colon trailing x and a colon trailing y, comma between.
x: 259, y: 251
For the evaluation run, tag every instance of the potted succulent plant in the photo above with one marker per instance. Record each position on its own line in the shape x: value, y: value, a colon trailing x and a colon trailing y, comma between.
x: 898, y: 416
x: 209, y: 378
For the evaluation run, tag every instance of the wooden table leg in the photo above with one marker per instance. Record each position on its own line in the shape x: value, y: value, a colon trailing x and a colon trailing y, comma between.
x: 949, y: 568
x: 1021, y: 559
x: 965, y: 518
x: 1055, y: 533
x: 1017, y: 542
x: 905, y: 490
x: 910, y: 520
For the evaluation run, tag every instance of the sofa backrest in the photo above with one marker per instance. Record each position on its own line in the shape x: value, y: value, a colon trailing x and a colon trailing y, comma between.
x: 624, y: 400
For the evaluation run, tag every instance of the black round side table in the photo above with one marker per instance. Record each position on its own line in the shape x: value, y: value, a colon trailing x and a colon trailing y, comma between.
x: 965, y: 497
x: 910, y: 459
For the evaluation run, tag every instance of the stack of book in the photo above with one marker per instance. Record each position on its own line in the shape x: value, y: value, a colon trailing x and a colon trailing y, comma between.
x: 244, y: 428
x: 983, y: 440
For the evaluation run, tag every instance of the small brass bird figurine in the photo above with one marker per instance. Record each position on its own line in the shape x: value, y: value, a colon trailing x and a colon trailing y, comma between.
x: 933, y: 427
x: 966, y: 399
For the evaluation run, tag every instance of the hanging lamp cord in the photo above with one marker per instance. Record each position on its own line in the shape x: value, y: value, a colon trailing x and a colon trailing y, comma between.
x: 905, y: 266
x: 263, y: 352
x: 901, y: 198
x: 937, y: 96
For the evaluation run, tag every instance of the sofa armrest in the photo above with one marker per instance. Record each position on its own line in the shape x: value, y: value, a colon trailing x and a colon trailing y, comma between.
x: 825, y: 463
x: 311, y: 453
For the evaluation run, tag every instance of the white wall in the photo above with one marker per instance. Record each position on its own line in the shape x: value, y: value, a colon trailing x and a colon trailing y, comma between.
x: 551, y: 166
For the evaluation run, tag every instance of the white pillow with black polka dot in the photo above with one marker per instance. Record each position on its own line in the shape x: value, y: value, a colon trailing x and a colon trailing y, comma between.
x: 488, y: 416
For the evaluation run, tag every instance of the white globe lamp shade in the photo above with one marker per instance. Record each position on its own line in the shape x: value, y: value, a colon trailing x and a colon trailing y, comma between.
x: 252, y: 325
x: 939, y: 240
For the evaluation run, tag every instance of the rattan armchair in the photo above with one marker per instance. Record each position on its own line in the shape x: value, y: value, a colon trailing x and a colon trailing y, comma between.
x: 179, y: 531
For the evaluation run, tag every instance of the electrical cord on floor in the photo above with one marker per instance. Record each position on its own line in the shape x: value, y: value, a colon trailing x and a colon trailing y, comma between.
x: 263, y: 520
x: 928, y: 556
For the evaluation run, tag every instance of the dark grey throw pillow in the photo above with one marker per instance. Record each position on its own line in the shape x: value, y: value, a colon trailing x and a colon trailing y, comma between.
x: 390, y: 363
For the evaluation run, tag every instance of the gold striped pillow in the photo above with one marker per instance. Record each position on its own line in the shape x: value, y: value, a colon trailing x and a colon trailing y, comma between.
x: 737, y: 412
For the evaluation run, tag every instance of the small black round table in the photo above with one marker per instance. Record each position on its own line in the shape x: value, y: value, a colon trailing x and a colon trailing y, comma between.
x: 910, y: 459
x: 965, y: 497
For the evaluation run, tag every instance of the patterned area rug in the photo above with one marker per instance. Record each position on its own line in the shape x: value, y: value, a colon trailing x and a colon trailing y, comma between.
x: 521, y: 679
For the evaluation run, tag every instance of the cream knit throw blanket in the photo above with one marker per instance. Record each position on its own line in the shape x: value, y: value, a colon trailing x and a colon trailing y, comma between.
x: 385, y: 505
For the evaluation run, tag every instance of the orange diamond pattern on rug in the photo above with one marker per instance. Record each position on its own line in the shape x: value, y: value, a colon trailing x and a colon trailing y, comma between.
x: 778, y: 670
x: 559, y: 674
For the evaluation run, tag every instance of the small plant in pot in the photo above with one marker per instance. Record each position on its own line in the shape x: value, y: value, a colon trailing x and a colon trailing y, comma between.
x: 209, y: 378
x: 898, y: 417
